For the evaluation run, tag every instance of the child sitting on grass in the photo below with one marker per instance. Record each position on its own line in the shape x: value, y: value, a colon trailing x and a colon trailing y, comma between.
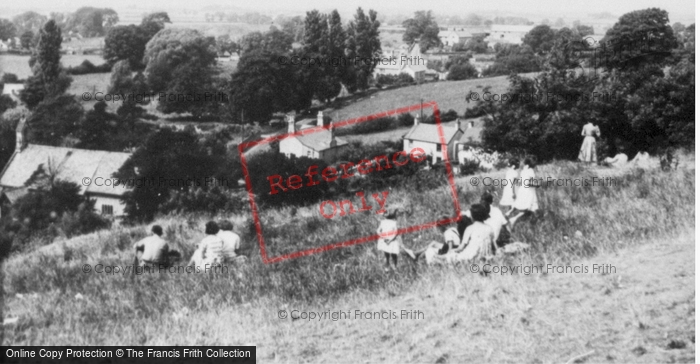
x: 478, y: 241
x: 389, y: 241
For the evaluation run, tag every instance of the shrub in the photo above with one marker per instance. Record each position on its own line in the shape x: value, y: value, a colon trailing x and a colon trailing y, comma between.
x: 372, y: 126
x: 87, y: 67
x: 405, y: 119
x: 462, y: 72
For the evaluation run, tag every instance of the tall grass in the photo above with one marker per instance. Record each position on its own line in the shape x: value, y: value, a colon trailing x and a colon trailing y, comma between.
x: 641, y: 205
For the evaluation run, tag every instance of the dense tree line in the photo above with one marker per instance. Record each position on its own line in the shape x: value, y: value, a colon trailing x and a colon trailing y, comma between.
x: 262, y: 84
x: 638, y: 105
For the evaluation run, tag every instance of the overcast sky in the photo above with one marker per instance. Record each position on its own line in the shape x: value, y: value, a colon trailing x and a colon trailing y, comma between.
x: 683, y: 10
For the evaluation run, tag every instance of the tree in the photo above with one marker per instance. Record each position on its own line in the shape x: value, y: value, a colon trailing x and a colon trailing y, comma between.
x: 92, y: 22
x: 512, y: 58
x: 583, y: 30
x: 7, y: 29
x: 48, y: 79
x: 173, y: 49
x: 225, y: 44
x: 462, y: 72
x: 477, y: 44
x: 171, y: 157
x: 325, y: 79
x: 27, y: 40
x: 96, y: 127
x: 160, y: 18
x: 294, y: 27
x: 540, y: 39
x: 261, y: 86
x: 638, y: 38
x: 422, y: 28
x: 29, y: 21
x: 125, y: 42
x: 367, y: 45
x: 53, y: 119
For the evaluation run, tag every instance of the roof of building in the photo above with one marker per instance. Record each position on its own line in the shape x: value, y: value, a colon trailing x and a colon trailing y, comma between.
x: 429, y: 133
x: 68, y: 164
x: 472, y: 135
x: 319, y: 140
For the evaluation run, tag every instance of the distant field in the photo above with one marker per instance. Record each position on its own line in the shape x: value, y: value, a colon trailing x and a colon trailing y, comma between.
x: 19, y: 65
x: 447, y: 94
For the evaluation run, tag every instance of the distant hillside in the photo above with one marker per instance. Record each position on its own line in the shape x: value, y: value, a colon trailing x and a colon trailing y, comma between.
x: 448, y: 95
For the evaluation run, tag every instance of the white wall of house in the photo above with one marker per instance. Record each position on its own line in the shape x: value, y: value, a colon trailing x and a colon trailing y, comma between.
x: 432, y: 150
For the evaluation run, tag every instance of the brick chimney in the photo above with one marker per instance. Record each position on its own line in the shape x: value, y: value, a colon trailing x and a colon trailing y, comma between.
x: 21, y: 136
x: 319, y: 119
x: 416, y: 121
x: 290, y: 124
x: 471, y: 124
x: 459, y: 124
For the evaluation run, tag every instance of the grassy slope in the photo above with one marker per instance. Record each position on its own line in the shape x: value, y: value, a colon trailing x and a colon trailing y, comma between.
x: 555, y: 317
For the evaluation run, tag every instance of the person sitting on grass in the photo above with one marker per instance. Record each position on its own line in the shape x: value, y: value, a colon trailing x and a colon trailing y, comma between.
x: 209, y: 252
x: 232, y: 242
x: 434, y: 251
x: 619, y: 161
x: 154, y: 250
x: 478, y: 241
x: 389, y: 241
x: 496, y: 220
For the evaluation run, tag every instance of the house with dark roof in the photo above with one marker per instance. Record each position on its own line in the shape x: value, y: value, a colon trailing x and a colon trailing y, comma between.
x: 427, y: 137
x: 32, y: 165
x: 311, y: 142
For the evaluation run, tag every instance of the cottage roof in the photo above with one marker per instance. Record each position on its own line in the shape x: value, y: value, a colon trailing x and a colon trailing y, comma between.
x: 320, y: 140
x: 429, y: 133
x: 472, y: 135
x: 68, y: 164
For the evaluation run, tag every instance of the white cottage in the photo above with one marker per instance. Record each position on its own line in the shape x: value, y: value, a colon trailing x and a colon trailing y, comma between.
x: 90, y: 169
x: 320, y: 144
x: 427, y: 137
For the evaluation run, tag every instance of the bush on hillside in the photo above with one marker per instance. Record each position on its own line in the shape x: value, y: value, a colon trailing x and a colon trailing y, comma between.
x: 88, y: 67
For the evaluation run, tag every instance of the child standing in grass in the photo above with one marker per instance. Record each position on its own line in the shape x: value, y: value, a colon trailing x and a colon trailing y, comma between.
x: 389, y: 241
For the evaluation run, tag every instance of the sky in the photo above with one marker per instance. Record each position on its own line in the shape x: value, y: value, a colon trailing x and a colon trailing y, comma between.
x: 683, y: 10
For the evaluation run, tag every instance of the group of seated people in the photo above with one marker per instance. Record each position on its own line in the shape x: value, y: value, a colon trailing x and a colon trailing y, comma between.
x: 220, y: 245
x: 620, y: 160
x: 478, y: 234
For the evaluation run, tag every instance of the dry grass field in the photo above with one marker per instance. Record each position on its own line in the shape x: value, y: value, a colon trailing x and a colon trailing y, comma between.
x: 447, y: 94
x: 19, y: 65
x: 642, y: 312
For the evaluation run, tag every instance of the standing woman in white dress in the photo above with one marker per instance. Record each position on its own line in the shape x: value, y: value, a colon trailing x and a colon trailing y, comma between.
x: 508, y: 197
x: 587, y: 153
x: 526, y: 201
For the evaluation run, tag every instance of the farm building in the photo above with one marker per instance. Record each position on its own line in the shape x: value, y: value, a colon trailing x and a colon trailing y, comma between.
x: 31, y: 166
x: 319, y: 144
x: 427, y: 137
x: 512, y: 34
x: 455, y: 36
x: 411, y: 62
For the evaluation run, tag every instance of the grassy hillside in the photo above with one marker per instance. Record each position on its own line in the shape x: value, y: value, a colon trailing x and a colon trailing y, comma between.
x: 56, y: 303
x: 447, y: 94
